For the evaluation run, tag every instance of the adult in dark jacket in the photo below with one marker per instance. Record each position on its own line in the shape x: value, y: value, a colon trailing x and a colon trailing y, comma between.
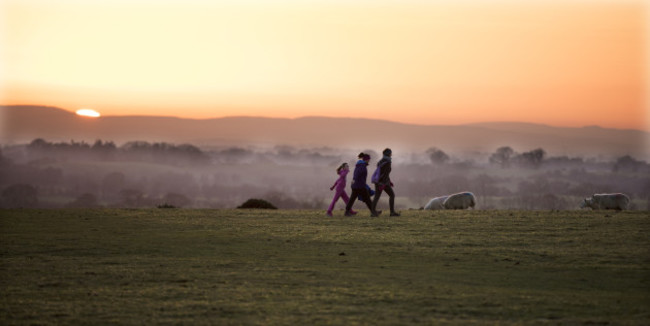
x: 384, y: 183
x: 359, y: 187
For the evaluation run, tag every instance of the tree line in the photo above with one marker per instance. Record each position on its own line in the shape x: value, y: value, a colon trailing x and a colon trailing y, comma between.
x: 107, y: 150
x: 506, y: 157
x: 78, y: 174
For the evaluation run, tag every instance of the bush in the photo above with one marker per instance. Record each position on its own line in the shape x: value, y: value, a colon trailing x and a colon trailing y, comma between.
x: 257, y: 203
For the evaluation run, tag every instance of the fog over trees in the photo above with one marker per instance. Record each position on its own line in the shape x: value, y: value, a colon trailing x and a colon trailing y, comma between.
x: 142, y: 174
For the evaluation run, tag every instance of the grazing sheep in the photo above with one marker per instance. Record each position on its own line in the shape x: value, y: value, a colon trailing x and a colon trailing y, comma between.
x: 461, y: 200
x: 616, y: 201
x: 436, y: 203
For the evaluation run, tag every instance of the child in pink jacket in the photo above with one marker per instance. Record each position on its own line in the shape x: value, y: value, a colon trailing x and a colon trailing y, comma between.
x: 342, y: 171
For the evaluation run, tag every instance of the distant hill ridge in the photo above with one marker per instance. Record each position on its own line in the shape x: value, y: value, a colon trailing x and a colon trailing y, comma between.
x: 21, y: 124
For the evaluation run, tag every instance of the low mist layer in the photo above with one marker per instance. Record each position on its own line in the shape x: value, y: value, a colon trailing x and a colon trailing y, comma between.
x: 143, y: 174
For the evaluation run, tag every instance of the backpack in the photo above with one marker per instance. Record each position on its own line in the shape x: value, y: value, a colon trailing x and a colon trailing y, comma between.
x: 375, y: 175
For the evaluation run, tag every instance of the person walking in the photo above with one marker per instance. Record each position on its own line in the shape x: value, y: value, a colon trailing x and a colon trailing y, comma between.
x: 359, y: 186
x: 339, y: 185
x: 383, y: 183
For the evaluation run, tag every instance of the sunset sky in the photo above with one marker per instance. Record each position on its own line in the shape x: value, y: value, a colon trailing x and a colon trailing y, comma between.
x: 564, y: 63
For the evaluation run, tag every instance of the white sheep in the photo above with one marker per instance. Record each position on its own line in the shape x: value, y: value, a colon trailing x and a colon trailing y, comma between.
x: 436, y: 203
x: 616, y: 201
x: 462, y: 200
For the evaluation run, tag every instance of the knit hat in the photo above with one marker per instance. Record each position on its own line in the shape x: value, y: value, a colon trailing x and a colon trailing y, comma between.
x: 388, y: 152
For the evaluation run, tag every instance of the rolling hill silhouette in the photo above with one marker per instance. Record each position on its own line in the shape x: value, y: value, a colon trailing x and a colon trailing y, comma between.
x: 22, y: 124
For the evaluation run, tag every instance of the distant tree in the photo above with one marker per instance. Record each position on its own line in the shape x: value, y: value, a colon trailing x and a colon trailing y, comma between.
x: 191, y: 153
x: 532, y: 158
x: 104, y: 150
x: 235, y: 151
x: 164, y: 152
x: 79, y: 146
x: 502, y: 156
x: 190, y: 150
x: 20, y: 196
x: 437, y: 156
x: 134, y: 146
x: 39, y: 143
x: 628, y: 163
x: 285, y: 151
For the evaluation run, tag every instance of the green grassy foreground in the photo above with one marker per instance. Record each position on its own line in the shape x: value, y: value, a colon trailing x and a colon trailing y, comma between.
x: 221, y: 267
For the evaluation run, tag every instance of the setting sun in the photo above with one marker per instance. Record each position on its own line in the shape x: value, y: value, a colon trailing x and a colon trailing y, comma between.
x: 88, y: 113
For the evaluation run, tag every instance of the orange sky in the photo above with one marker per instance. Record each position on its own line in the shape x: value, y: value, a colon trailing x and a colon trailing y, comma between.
x: 567, y: 63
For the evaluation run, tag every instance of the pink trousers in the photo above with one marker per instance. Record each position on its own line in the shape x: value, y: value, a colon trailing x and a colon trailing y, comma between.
x: 337, y: 195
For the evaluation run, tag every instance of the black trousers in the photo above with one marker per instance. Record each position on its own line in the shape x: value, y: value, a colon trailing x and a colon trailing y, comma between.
x: 363, y: 195
x: 391, y: 197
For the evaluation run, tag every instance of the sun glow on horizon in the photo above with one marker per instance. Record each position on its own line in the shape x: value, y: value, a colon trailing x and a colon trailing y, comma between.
x: 88, y: 113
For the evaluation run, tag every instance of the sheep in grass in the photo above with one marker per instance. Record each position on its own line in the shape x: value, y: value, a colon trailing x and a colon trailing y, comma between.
x: 462, y: 200
x: 617, y: 201
x: 436, y: 203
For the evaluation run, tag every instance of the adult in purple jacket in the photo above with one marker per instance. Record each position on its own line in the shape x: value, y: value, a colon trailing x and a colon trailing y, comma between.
x: 384, y: 184
x: 359, y: 187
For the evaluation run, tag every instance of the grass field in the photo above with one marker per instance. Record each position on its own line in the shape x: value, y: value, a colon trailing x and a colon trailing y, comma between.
x: 224, y: 267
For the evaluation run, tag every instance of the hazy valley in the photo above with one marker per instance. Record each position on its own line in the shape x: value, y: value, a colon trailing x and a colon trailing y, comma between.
x: 66, y: 160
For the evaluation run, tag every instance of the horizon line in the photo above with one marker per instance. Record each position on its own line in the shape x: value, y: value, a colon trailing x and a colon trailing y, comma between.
x: 478, y: 123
